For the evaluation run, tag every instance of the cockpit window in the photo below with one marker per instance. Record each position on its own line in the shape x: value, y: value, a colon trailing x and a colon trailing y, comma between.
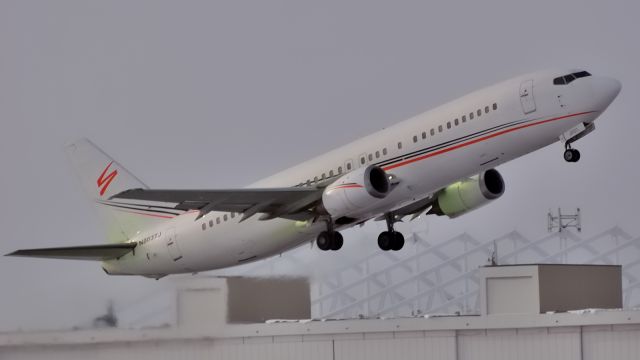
x: 581, y: 74
x: 563, y: 80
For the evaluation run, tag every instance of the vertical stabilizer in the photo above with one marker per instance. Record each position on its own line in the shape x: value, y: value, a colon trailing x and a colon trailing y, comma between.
x: 102, y: 177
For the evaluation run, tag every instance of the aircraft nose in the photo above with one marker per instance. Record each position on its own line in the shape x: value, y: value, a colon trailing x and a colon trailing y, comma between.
x: 606, y: 89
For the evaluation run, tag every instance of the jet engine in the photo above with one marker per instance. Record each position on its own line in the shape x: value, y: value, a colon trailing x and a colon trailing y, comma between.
x: 356, y: 190
x: 469, y: 194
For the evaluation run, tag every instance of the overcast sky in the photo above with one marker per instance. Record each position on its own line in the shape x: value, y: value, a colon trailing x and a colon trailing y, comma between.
x: 197, y: 94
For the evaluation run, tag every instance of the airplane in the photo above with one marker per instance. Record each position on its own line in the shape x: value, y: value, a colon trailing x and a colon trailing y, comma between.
x: 441, y: 162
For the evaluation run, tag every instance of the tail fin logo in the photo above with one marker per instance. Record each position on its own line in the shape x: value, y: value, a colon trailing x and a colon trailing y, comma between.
x: 104, y: 181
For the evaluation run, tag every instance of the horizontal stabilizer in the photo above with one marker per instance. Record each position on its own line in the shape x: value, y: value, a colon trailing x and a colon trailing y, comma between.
x: 92, y: 252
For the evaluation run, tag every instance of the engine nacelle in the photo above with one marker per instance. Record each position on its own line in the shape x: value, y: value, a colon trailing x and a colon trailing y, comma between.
x: 356, y: 190
x: 469, y: 194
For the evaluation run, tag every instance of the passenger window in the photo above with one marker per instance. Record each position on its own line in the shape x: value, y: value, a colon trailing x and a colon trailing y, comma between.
x: 424, y: 135
x: 433, y: 132
x: 315, y: 180
x: 204, y: 226
x: 233, y: 215
x: 470, y: 116
x: 362, y: 160
x: 495, y: 106
x: 370, y: 157
x: 400, y: 145
x: 464, y: 118
x: 377, y: 154
x: 218, y: 220
x: 348, y: 166
x: 415, y: 138
x: 448, y: 124
x: 322, y: 177
x: 439, y: 128
x: 211, y: 223
x: 224, y: 217
x: 384, y: 151
x: 486, y: 109
x: 479, y: 112
x: 455, y: 122
x: 339, y: 169
x: 330, y: 173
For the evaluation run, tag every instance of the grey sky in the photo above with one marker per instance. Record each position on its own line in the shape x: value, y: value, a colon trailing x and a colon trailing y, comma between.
x: 218, y: 94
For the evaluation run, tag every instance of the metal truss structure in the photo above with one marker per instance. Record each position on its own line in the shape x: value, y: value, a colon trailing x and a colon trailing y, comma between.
x: 441, y: 278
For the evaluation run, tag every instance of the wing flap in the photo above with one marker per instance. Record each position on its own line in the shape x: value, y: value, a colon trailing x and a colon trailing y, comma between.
x: 91, y: 252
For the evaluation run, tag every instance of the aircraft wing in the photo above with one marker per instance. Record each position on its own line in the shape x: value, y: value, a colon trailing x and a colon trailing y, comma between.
x: 91, y: 252
x: 414, y: 209
x: 290, y: 203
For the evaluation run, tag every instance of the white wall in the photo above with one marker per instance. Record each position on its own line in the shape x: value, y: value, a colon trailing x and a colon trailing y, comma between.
x: 619, y: 342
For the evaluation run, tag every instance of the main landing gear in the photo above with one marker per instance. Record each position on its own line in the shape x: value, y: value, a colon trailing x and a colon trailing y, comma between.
x: 571, y: 155
x: 329, y: 239
x: 391, y: 239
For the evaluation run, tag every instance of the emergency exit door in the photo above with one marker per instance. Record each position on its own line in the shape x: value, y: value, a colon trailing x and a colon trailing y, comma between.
x: 526, y: 97
x: 172, y: 244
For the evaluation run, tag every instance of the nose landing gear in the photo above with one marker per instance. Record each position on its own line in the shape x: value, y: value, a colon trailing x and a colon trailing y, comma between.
x: 573, y: 135
x: 571, y: 155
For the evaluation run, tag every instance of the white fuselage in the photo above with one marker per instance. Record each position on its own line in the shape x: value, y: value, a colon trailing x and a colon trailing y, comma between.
x: 426, y: 153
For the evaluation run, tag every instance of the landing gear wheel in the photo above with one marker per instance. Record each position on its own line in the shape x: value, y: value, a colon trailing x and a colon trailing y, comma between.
x: 385, y: 240
x: 390, y: 240
x: 576, y: 154
x: 571, y: 155
x: 329, y: 240
x: 337, y: 241
x: 324, y: 241
x: 398, y: 241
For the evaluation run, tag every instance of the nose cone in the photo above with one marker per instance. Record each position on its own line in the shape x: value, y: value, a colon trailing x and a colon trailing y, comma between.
x: 605, y: 90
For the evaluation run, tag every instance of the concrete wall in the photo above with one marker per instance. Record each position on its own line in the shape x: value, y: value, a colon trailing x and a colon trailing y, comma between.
x: 539, y: 288
x: 572, y: 287
x: 280, y: 298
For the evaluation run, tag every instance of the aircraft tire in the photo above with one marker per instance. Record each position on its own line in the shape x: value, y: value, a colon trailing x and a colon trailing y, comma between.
x: 571, y: 155
x: 336, y: 241
x: 324, y: 241
x: 398, y: 241
x: 576, y: 155
x: 385, y: 240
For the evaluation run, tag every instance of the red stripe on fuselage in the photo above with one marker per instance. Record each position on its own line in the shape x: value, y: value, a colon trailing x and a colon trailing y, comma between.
x: 347, y: 186
x: 426, y: 156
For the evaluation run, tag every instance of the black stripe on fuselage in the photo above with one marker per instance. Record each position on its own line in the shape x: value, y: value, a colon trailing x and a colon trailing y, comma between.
x: 450, y: 142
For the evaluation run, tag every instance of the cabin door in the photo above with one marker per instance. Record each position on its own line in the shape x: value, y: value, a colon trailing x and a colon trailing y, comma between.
x: 526, y: 97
